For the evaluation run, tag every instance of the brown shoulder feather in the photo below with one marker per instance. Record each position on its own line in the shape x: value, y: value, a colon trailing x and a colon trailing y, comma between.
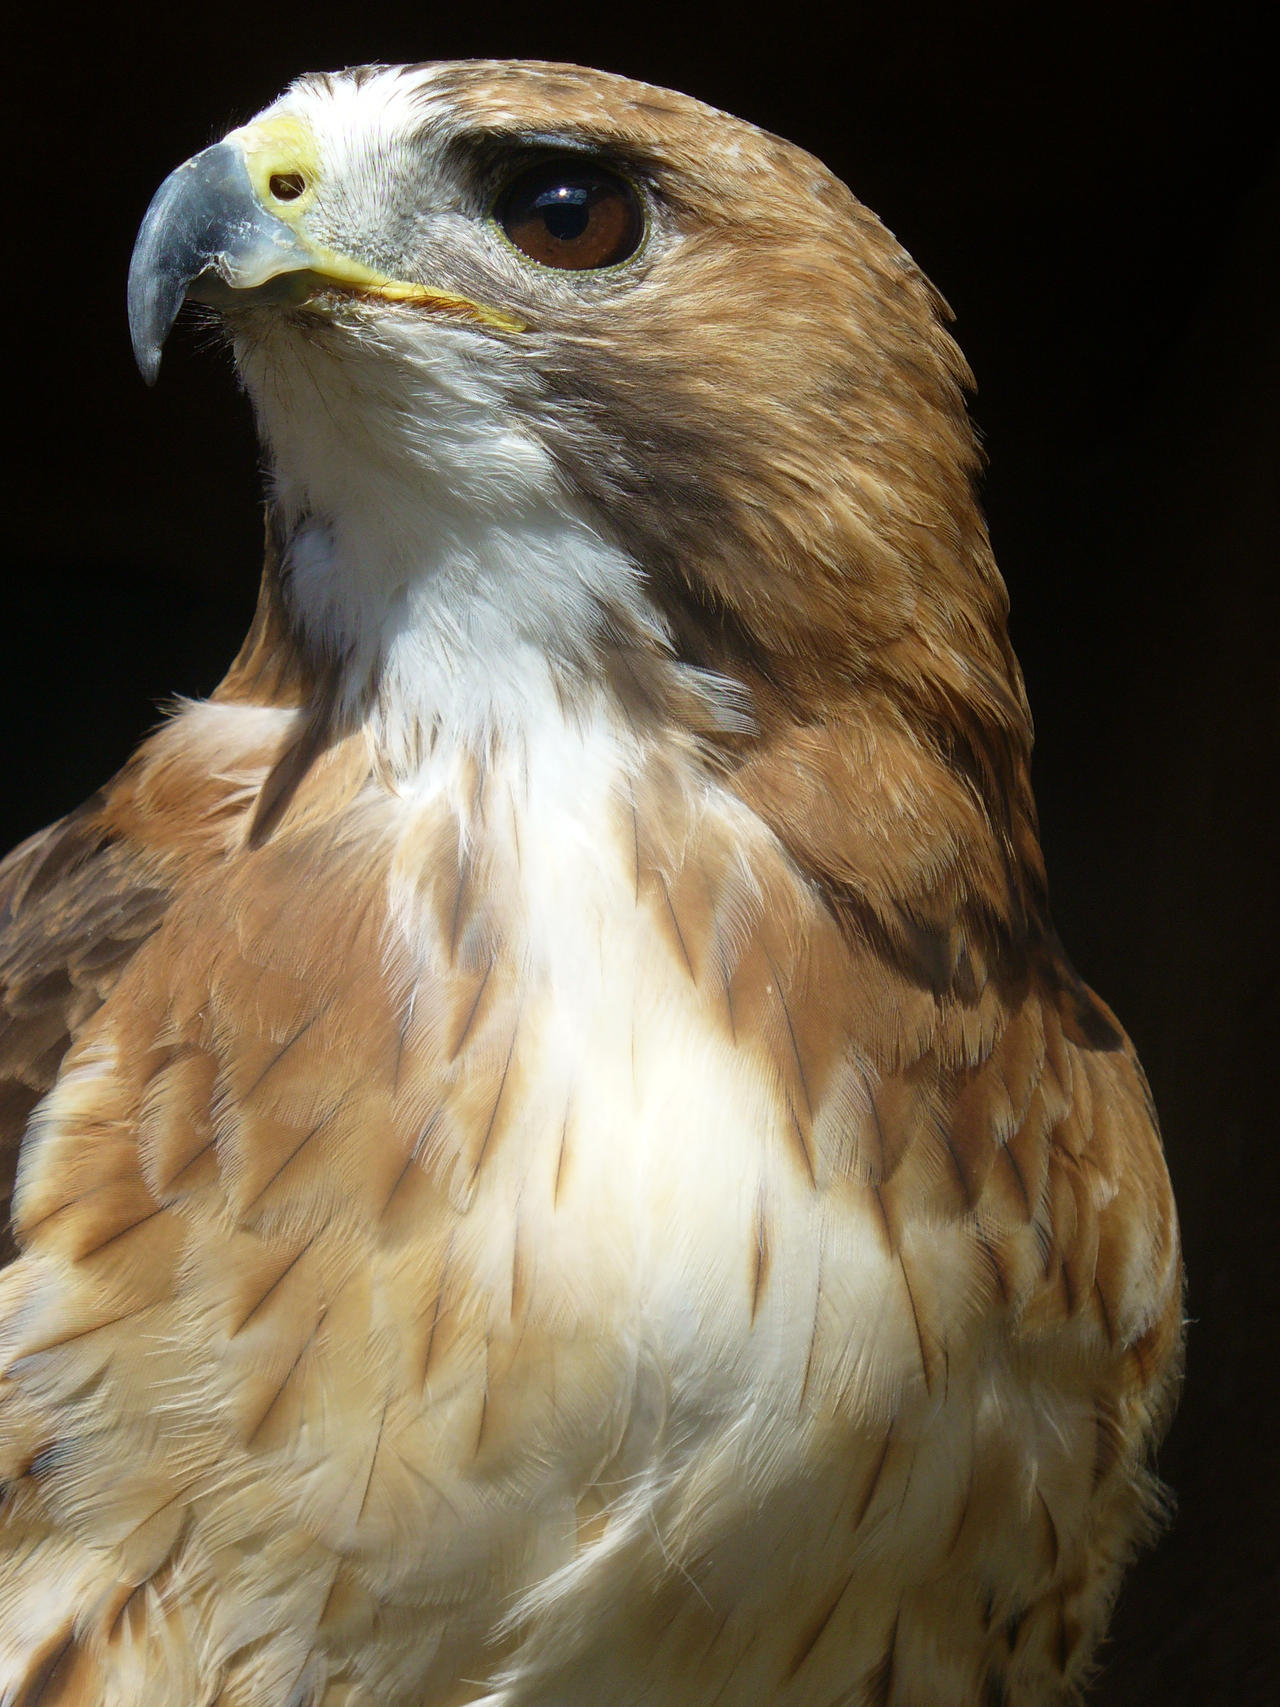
x: 76, y: 900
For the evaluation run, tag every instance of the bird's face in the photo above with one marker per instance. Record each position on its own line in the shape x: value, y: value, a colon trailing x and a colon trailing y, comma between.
x: 527, y: 200
x: 382, y: 249
x: 516, y: 285
x: 589, y: 247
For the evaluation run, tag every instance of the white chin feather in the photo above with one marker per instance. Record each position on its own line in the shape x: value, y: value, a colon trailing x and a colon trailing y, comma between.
x: 433, y: 548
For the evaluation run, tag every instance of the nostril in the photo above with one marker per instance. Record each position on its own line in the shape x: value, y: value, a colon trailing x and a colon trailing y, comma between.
x: 286, y: 186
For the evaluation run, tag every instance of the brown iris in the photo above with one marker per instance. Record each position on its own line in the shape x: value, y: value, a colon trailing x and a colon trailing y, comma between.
x: 571, y: 214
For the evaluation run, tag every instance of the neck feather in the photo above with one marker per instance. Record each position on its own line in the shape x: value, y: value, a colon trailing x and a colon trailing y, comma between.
x: 432, y: 565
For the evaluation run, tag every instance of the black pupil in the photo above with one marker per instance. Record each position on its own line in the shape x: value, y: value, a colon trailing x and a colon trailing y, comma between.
x: 565, y: 210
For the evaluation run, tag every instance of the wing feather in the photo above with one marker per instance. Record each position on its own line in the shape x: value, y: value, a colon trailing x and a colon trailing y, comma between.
x: 76, y: 901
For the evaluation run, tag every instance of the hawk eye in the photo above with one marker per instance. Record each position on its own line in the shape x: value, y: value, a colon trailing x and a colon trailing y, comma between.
x: 571, y: 214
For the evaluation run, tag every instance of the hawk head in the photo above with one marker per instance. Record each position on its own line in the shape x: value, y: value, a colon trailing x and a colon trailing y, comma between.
x: 573, y: 387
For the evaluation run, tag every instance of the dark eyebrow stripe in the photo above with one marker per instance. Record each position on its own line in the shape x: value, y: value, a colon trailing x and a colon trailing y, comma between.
x: 488, y: 145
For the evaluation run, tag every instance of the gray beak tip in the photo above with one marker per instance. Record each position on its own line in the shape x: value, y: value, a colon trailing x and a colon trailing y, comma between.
x: 154, y: 302
x: 202, y: 216
x: 157, y: 283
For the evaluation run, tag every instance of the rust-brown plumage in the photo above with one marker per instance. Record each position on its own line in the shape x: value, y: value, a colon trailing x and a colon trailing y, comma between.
x: 630, y: 1205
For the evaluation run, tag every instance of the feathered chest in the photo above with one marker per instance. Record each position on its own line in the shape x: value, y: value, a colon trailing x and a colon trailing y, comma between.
x: 509, y: 1067
x: 514, y: 1191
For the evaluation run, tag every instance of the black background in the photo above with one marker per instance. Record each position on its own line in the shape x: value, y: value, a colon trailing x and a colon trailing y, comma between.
x: 1094, y: 191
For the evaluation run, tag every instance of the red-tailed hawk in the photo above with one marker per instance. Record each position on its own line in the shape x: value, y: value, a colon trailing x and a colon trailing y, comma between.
x: 564, y: 1164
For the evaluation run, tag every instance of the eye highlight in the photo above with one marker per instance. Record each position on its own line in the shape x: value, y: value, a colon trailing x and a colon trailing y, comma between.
x: 571, y: 214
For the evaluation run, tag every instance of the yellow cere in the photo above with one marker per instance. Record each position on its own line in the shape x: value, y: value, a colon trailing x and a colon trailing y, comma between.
x: 275, y: 148
x: 285, y: 147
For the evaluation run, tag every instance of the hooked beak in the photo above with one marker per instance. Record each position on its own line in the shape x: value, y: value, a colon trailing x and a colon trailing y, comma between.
x: 229, y: 220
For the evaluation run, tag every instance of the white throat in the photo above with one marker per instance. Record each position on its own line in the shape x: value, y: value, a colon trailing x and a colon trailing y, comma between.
x: 433, y: 551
